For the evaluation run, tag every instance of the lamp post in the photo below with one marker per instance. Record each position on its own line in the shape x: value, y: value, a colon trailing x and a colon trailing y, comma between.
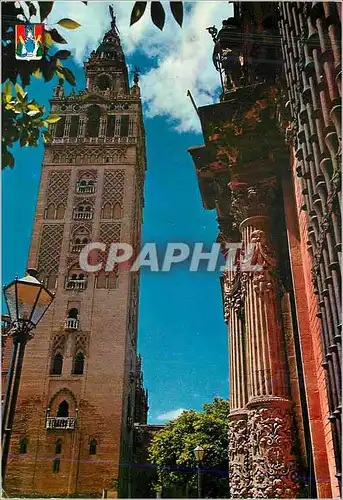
x: 199, y: 455
x: 27, y: 301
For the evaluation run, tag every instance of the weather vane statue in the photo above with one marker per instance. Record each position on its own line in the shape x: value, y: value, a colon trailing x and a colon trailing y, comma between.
x: 113, y: 20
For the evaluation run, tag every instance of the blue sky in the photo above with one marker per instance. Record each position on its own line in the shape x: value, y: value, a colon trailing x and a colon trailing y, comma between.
x: 182, y: 336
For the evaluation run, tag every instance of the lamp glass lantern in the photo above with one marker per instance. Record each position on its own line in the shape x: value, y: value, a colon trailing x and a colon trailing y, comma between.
x: 199, y: 453
x: 27, y: 301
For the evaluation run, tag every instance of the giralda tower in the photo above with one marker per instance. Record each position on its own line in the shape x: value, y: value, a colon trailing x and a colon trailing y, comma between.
x: 73, y: 426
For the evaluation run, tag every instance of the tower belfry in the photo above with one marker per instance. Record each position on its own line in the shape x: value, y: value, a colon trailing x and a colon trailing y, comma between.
x: 76, y: 404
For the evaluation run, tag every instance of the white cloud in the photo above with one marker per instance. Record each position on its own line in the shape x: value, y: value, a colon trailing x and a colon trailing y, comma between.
x: 181, y: 57
x: 170, y: 415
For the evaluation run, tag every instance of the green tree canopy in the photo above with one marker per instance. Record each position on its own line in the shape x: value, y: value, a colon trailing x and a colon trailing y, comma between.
x: 172, y: 451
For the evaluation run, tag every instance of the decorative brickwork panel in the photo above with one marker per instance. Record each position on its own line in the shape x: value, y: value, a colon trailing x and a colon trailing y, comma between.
x: 58, y: 187
x: 80, y: 344
x: 82, y: 156
x: 110, y: 233
x: 113, y: 187
x: 50, y: 249
x: 58, y: 343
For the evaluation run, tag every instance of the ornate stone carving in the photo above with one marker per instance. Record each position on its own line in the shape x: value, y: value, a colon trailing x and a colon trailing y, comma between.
x: 233, y: 295
x: 271, y: 441
x: 263, y: 260
x: 83, y: 155
x: 248, y: 201
x: 239, y: 466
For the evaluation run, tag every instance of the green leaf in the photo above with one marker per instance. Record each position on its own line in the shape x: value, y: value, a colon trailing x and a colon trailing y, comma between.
x: 47, y: 137
x: 37, y: 73
x: 33, y: 113
x: 68, y: 23
x: 7, y: 159
x: 62, y: 54
x: 53, y: 118
x: 68, y: 76
x: 177, y: 11
x: 158, y: 15
x: 56, y: 37
x: 48, y: 39
x: 20, y: 91
x: 137, y: 12
x: 33, y: 107
x: 45, y: 9
x: 8, y: 92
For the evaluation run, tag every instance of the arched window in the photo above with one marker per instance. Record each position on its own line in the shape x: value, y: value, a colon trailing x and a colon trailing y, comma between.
x: 59, y: 131
x: 23, y: 446
x: 58, y: 448
x: 78, y: 364
x: 124, y: 126
x: 104, y: 82
x: 92, y: 447
x: 117, y: 211
x: 60, y: 211
x: 56, y: 365
x: 93, y: 121
x: 73, y: 313
x: 74, y: 126
x: 63, y: 409
x: 50, y: 213
x: 111, y: 121
x: 107, y: 211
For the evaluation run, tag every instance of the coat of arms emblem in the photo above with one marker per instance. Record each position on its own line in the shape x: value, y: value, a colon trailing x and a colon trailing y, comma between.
x: 29, y: 42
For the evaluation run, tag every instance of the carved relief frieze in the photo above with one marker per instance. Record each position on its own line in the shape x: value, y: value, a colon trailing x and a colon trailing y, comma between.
x: 271, y: 442
x: 81, y: 155
x: 239, y: 460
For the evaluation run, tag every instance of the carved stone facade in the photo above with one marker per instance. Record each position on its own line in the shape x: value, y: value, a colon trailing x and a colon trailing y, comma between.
x: 244, y: 173
x: 269, y: 167
x: 77, y: 397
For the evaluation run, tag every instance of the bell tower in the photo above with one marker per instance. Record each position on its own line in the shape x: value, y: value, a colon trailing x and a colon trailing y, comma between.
x: 76, y: 405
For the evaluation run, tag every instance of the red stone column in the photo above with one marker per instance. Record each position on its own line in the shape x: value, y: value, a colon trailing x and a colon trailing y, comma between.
x: 261, y: 424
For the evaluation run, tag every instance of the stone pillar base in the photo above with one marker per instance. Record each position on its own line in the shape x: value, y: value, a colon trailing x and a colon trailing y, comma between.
x: 273, y: 467
x: 239, y: 463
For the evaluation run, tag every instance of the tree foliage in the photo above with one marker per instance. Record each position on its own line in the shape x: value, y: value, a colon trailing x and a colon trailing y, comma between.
x: 157, y: 12
x: 22, y: 120
x: 172, y: 451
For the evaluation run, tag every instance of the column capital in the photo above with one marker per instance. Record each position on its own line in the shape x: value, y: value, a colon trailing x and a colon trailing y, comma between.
x: 253, y: 200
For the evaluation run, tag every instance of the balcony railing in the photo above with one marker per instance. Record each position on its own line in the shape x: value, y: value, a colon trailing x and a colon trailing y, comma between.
x: 67, y: 423
x: 71, y: 324
x: 83, y: 215
x: 85, y: 189
x: 77, y: 247
x: 94, y: 140
x: 76, y: 284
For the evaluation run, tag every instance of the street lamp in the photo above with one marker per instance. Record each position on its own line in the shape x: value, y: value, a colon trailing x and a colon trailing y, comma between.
x: 199, y: 455
x: 27, y: 301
